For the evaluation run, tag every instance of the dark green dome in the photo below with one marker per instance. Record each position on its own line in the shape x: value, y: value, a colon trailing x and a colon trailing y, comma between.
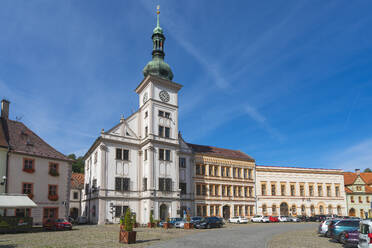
x: 158, y: 67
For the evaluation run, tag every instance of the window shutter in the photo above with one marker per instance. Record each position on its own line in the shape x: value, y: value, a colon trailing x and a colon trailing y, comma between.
x: 117, y: 183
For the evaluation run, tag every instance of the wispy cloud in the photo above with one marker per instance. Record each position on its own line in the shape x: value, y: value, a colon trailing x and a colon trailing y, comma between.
x: 356, y: 156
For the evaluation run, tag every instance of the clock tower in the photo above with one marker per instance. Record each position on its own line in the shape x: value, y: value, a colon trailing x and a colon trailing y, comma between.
x: 158, y: 133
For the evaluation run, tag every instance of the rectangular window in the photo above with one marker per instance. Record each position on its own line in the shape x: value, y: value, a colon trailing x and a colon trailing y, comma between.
x: 119, y: 153
x: 126, y: 155
x: 166, y: 115
x: 161, y: 131
x: 215, y: 171
x: 328, y: 191
x: 161, y: 113
x: 28, y: 165
x: 245, y: 174
x: 183, y: 188
x: 337, y: 191
x: 76, y: 195
x: 118, y: 211
x: 197, y: 170
x: 282, y: 189
x: 311, y: 190
x: 161, y: 154
x: 263, y: 189
x: 52, y: 190
x: 320, y: 193
x: 204, y: 189
x: 144, y: 184
x: 167, y: 132
x: 167, y: 155
x: 122, y: 184
x: 293, y: 190
x: 146, y: 131
x: 168, y: 184
x: 27, y: 189
x: 23, y: 212
x: 302, y: 190
x: 145, y: 157
x: 273, y: 189
x: 249, y: 173
x: 182, y: 162
x: 210, y: 170
x: 250, y: 191
x: 146, y: 114
x: 198, y: 189
x: 53, y: 169
x: 352, y: 198
x: 161, y: 184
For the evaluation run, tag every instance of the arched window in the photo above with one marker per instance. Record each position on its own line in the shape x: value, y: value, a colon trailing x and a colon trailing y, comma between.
x: 312, y: 210
x: 321, y: 209
x: 330, y: 209
x: 274, y: 209
x: 352, y: 212
x: 303, y: 210
x: 264, y: 209
x: 294, y: 210
x: 339, y: 213
x: 361, y: 214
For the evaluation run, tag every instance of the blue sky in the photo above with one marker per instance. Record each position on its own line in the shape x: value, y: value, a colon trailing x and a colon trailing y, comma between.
x: 287, y: 82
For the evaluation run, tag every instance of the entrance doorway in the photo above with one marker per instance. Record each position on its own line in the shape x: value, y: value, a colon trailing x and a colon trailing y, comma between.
x: 163, y: 212
x: 226, y: 212
x: 284, y: 209
x: 74, y: 213
x: 352, y: 212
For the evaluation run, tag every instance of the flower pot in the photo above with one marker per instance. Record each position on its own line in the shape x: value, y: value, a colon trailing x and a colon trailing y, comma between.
x: 127, y: 237
x: 166, y: 225
x: 150, y: 225
x: 53, y: 197
x: 188, y: 226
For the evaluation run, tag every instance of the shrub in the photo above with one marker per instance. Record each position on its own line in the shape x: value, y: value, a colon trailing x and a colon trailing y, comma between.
x: 188, y: 219
x: 128, y: 221
x: 151, y: 218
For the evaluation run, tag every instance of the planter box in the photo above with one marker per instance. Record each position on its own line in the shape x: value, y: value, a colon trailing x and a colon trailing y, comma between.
x: 150, y: 225
x: 166, y: 225
x: 188, y: 226
x: 127, y: 237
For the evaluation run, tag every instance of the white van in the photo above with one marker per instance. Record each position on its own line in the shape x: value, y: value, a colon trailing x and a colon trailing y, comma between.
x: 365, y: 234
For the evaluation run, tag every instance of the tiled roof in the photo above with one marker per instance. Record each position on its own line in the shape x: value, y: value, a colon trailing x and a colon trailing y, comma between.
x: 220, y: 152
x: 77, y: 181
x: 350, y: 177
x: 347, y: 190
x: 3, y: 142
x: 368, y: 189
x: 23, y: 140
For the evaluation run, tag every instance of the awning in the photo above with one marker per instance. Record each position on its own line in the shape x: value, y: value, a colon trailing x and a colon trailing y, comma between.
x: 16, y: 201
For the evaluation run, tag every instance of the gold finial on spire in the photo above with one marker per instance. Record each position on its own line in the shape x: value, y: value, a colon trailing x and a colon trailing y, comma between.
x: 158, y: 9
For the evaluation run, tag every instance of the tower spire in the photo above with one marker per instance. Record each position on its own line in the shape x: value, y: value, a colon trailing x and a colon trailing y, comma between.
x: 157, y: 66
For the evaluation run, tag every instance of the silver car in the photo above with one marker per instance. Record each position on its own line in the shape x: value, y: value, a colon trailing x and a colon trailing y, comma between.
x: 179, y: 224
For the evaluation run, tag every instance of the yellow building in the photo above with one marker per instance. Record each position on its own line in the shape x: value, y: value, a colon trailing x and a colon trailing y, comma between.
x: 223, y: 182
x: 358, y: 188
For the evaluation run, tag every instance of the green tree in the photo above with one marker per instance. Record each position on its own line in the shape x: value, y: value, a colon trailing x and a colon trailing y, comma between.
x: 78, y: 164
x: 128, y: 221
x: 367, y: 170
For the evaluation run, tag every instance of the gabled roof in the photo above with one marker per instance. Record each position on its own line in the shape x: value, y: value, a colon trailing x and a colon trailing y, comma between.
x: 350, y: 177
x: 23, y: 140
x: 77, y: 180
x: 347, y: 190
x: 3, y: 142
x: 220, y: 152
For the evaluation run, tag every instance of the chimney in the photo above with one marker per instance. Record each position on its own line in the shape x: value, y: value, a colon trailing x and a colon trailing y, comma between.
x: 5, y: 109
x: 357, y: 171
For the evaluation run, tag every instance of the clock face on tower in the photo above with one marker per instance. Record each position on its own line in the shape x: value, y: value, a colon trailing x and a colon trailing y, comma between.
x: 144, y: 97
x: 164, y: 96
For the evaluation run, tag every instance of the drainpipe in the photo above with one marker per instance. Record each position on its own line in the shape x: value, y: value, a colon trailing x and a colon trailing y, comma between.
x: 255, y: 189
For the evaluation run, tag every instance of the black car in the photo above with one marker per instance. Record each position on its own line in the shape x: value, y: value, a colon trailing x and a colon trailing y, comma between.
x: 209, y: 222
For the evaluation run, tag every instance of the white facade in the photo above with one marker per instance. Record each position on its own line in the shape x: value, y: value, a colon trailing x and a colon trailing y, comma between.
x: 299, y: 191
x: 148, y: 155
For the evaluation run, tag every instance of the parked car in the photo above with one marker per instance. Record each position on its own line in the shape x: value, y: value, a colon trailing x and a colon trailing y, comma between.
x: 238, y: 219
x: 57, y: 224
x: 180, y: 224
x: 330, y: 223
x: 209, y: 222
x: 195, y: 219
x: 171, y: 221
x: 257, y: 218
x: 341, y: 227
x: 320, y: 217
x: 323, y: 227
x: 303, y: 218
x: 274, y: 219
x: 350, y: 239
x: 293, y: 219
x: 283, y: 218
x: 365, y: 234
x: 81, y: 220
x: 265, y: 219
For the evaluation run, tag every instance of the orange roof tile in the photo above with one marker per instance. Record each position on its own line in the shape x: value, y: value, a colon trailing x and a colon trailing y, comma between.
x: 350, y: 177
x: 77, y: 181
x: 347, y: 190
x: 368, y: 189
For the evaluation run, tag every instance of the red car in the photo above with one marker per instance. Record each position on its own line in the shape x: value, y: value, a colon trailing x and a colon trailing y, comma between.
x: 57, y: 224
x: 273, y: 219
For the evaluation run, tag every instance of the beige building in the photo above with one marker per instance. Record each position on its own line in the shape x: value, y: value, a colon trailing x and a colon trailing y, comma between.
x: 223, y: 182
x: 299, y: 191
x: 358, y: 188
